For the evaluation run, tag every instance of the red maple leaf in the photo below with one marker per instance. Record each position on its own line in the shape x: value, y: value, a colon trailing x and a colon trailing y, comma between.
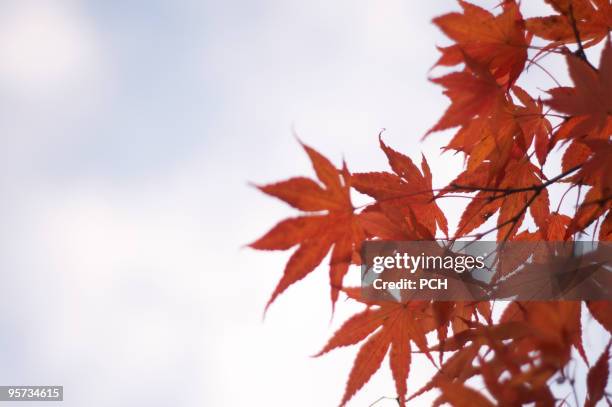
x: 383, y: 326
x: 407, y: 193
x: 497, y: 42
x: 533, y: 124
x: 601, y: 312
x: 595, y: 171
x: 597, y: 379
x: 592, y: 19
x: 329, y: 222
x: 520, y: 190
x: 589, y: 102
x: 473, y: 92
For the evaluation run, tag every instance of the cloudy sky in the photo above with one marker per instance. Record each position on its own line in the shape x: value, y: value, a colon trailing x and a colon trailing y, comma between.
x: 129, y: 134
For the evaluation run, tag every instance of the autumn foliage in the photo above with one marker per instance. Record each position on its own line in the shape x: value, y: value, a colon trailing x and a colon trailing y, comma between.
x: 506, y: 134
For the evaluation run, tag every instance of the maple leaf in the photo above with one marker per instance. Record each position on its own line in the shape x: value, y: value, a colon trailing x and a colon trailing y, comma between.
x: 459, y: 395
x: 477, y: 212
x: 589, y: 102
x: 594, y: 205
x: 383, y: 326
x: 457, y: 314
x: 314, y: 233
x: 497, y: 42
x: 515, y: 206
x: 520, y: 189
x: 458, y: 367
x: 473, y: 92
x: 387, y: 223
x: 605, y: 232
x: 512, y: 256
x: 522, y: 386
x: 406, y: 195
x: 601, y: 312
x: 593, y: 21
x: 576, y: 155
x: 492, y: 142
x: 509, y: 373
x: 464, y: 311
x: 597, y: 378
x: 467, y: 345
x: 555, y: 326
x: 596, y: 171
x: 533, y: 124
x: 557, y: 226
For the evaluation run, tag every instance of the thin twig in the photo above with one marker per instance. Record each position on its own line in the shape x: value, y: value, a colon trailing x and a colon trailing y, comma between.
x: 383, y: 398
x: 580, y: 51
x: 509, y: 191
x: 534, y: 62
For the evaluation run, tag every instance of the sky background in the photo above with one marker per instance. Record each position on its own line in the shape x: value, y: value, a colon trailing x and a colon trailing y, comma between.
x: 129, y: 133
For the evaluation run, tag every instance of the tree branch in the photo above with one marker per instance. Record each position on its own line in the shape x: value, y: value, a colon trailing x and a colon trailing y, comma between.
x: 510, y: 191
x: 580, y: 51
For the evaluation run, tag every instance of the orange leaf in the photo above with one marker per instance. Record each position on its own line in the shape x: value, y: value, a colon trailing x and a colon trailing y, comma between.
x: 533, y: 123
x: 576, y: 154
x: 605, y: 232
x: 593, y: 21
x: 602, y: 312
x: 315, y: 234
x: 355, y: 329
x: 498, y: 42
x: 388, y: 325
x: 400, y: 357
x: 478, y: 211
x: 368, y: 361
x: 290, y: 232
x: 459, y: 395
x: 591, y: 97
x: 597, y: 379
x: 308, y: 256
x: 302, y: 193
x: 408, y: 190
x: 472, y: 92
x: 592, y: 207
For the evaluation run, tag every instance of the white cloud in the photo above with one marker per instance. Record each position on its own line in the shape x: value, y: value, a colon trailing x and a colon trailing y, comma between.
x: 45, y: 47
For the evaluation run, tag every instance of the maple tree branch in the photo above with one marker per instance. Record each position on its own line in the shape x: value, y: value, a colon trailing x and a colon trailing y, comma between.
x: 580, y: 51
x: 537, y: 190
x: 513, y: 220
x: 510, y: 191
x: 504, y: 191
x: 459, y: 196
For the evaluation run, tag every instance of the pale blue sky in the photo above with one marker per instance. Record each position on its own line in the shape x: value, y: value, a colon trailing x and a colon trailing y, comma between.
x: 128, y: 134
